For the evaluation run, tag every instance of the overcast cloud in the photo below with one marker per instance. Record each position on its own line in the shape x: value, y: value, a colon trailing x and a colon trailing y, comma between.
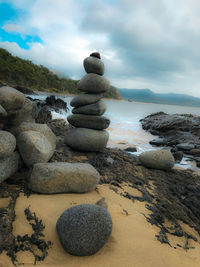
x: 144, y: 44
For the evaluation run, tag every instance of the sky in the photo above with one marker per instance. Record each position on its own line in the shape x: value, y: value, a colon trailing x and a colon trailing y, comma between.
x: 151, y: 44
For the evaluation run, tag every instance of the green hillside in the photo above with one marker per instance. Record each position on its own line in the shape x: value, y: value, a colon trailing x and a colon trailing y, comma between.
x: 16, y: 71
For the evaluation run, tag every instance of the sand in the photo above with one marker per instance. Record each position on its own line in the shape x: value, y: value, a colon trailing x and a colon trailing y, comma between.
x: 131, y: 244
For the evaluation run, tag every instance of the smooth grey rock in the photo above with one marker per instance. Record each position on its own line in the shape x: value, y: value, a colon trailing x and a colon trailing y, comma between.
x: 10, y: 98
x: 38, y: 127
x: 7, y: 144
x: 89, y: 121
x: 85, y: 99
x: 158, y: 141
x: 84, y: 229
x: 28, y: 113
x: 157, y: 159
x: 83, y: 139
x: 185, y: 146
x: 97, y: 108
x: 9, y: 165
x: 3, y: 113
x: 34, y: 147
x: 93, y: 65
x: 63, y: 177
x: 93, y: 83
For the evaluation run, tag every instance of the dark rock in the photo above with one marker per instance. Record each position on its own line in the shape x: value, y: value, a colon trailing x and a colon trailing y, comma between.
x: 56, y: 103
x: 178, y: 156
x: 63, y: 177
x: 93, y: 65
x: 9, y: 165
x: 85, y: 99
x: 131, y: 149
x: 93, y: 83
x: 97, y: 108
x: 194, y: 151
x: 89, y: 121
x: 83, y: 139
x: 7, y: 144
x: 158, y: 142
x: 25, y: 90
x: 84, y: 229
x: 44, y: 116
x: 10, y: 98
x: 185, y: 146
x: 95, y: 54
x: 3, y: 114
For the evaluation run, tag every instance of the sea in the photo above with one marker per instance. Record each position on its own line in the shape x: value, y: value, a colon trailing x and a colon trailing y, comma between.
x: 125, y: 128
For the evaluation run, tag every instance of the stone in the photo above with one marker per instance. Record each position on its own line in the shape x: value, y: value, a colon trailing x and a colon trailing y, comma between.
x: 185, y: 146
x: 194, y: 151
x: 93, y: 83
x: 97, y: 108
x: 63, y: 177
x: 84, y: 139
x: 131, y: 149
x: 3, y: 113
x: 157, y: 159
x: 95, y: 54
x: 41, y: 128
x: 7, y: 144
x: 85, y: 99
x: 9, y: 165
x: 178, y: 156
x: 10, y: 98
x: 158, y: 142
x: 93, y: 65
x: 27, y: 113
x: 34, y: 147
x: 84, y: 229
x: 89, y: 121
x: 25, y: 90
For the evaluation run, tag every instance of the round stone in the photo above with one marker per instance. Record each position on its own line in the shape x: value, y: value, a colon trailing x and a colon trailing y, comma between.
x: 83, y: 139
x: 93, y: 83
x: 93, y: 65
x: 84, y: 229
x: 10, y: 98
x: 97, y: 108
x: 85, y: 99
x: 7, y: 144
x: 9, y: 165
x: 89, y: 121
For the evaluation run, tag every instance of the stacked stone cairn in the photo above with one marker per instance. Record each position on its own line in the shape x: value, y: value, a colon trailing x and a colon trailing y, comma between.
x: 88, y: 133
x: 82, y: 229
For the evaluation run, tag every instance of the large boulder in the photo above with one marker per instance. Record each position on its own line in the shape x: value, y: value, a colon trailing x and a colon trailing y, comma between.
x: 7, y: 144
x: 157, y: 159
x: 34, y: 147
x: 86, y: 139
x: 89, y: 121
x: 97, y: 108
x: 42, y: 128
x: 62, y: 177
x: 93, y: 83
x: 9, y: 165
x: 85, y: 99
x: 10, y: 98
x: 93, y: 65
x: 84, y: 229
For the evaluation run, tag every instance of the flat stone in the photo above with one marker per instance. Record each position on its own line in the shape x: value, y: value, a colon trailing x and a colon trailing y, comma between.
x: 83, y: 139
x: 194, y: 151
x: 7, y: 144
x: 93, y: 65
x: 38, y: 127
x: 34, y: 147
x: 84, y: 229
x: 97, y: 108
x: 157, y: 159
x: 63, y: 177
x: 85, y: 99
x: 158, y: 141
x: 93, y: 83
x: 89, y: 121
x: 185, y: 146
x: 3, y: 113
x: 10, y: 98
x: 9, y: 165
x: 131, y: 149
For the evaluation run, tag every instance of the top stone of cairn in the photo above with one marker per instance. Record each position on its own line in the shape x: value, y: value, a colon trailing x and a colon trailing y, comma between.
x: 93, y: 64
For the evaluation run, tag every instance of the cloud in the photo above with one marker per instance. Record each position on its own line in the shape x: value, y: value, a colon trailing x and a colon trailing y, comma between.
x: 144, y: 44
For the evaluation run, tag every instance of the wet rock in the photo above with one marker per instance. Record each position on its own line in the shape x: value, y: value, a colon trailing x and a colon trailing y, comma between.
x: 34, y: 147
x: 55, y: 103
x: 178, y: 156
x: 158, y: 142
x: 131, y: 149
x: 25, y: 90
x: 185, y: 146
x: 84, y: 229
x: 93, y: 83
x: 7, y: 144
x: 9, y: 165
x: 44, y: 116
x: 157, y: 159
x: 93, y: 65
x: 97, y: 108
x: 84, y: 139
x: 89, y: 121
x: 63, y: 177
x: 10, y: 98
x: 85, y: 99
